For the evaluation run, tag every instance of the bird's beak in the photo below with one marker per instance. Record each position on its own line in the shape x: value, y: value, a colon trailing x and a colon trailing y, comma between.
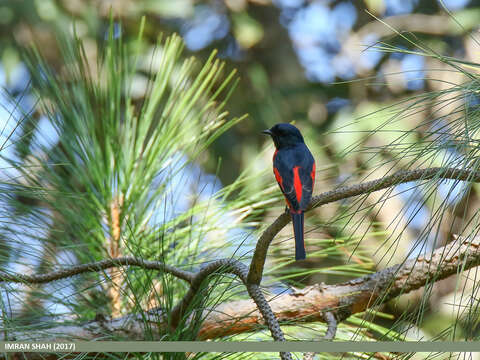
x: 267, y: 132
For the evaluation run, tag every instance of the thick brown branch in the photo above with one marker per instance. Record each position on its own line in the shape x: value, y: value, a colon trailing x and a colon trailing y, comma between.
x: 309, y: 304
x: 313, y: 302
x: 95, y: 267
x: 258, y: 261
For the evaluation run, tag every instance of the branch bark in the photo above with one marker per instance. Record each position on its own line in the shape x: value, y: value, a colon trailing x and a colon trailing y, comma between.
x: 95, y: 267
x: 240, y: 270
x: 329, y: 303
x: 259, y: 256
x: 307, y: 305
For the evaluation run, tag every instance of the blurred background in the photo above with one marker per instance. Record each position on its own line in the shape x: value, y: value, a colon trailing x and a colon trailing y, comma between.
x: 333, y: 67
x: 293, y: 56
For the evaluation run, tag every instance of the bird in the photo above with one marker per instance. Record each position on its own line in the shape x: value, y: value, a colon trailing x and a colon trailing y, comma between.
x: 294, y: 170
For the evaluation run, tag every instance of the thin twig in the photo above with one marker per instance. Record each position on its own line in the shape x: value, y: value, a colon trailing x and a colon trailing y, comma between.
x: 331, y: 321
x: 259, y: 256
x: 331, y: 325
x: 95, y: 267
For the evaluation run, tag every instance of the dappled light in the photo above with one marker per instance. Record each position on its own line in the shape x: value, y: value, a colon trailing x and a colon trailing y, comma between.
x: 140, y: 202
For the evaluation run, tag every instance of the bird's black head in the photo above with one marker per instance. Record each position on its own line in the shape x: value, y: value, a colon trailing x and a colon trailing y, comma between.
x: 284, y: 135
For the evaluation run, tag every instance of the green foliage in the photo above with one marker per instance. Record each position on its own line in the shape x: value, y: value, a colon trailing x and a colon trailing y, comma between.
x: 107, y: 187
x: 438, y: 128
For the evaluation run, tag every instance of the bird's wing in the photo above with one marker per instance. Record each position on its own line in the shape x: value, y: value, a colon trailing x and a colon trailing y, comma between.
x: 307, y: 178
x: 294, y: 170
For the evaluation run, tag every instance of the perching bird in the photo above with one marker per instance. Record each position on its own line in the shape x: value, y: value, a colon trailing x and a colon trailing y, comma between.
x: 294, y: 169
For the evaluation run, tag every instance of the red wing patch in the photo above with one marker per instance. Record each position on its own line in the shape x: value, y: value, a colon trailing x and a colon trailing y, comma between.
x: 312, y: 175
x: 280, y: 182
x: 297, y: 184
x: 278, y: 177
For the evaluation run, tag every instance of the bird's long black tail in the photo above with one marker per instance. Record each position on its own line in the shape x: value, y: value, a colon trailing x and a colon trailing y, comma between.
x: 297, y: 220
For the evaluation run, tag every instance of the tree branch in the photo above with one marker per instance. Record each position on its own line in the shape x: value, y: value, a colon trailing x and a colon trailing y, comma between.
x: 96, y: 267
x: 259, y: 256
x: 332, y: 326
x: 235, y: 267
x: 222, y: 266
x: 314, y: 303
x: 331, y: 321
x: 307, y: 305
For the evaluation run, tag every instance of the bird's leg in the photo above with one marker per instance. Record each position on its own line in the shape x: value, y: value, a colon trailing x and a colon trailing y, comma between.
x: 287, y: 209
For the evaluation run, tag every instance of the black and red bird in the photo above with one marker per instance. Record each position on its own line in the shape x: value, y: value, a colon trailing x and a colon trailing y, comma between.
x: 294, y: 169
